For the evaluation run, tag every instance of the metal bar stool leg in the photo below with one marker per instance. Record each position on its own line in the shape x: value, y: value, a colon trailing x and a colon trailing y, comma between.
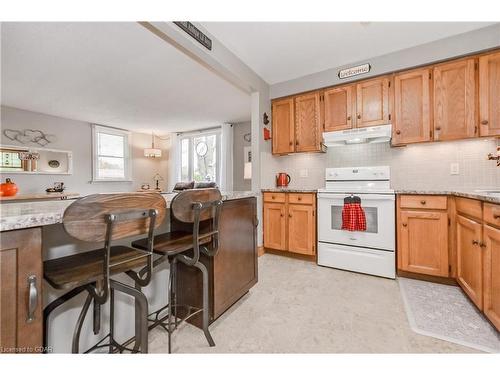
x: 206, y: 303
x: 169, y: 309
x: 138, y: 323
x: 141, y: 319
x: 111, y: 319
x: 79, y: 323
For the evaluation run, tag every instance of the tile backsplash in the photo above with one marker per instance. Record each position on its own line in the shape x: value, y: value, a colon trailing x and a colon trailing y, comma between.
x: 418, y: 166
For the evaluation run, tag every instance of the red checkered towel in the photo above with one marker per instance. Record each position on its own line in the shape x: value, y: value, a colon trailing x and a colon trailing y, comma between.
x: 353, y: 217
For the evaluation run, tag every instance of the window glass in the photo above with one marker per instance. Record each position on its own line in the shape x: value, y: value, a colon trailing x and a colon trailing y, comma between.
x: 111, y: 156
x: 200, y: 157
x: 185, y: 159
x: 111, y: 145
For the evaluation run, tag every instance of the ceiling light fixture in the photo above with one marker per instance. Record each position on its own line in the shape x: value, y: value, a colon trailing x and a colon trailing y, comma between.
x: 152, y: 152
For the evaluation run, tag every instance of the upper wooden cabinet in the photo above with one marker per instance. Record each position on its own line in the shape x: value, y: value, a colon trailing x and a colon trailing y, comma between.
x: 283, y: 126
x: 308, y: 126
x: 412, y: 107
x: 372, y: 102
x: 489, y: 94
x: 340, y: 106
x: 455, y: 100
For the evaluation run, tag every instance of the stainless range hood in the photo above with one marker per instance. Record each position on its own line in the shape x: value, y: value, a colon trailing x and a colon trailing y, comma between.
x: 373, y: 134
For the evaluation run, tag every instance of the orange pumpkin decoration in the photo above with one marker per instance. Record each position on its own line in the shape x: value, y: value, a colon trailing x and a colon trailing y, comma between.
x: 8, y: 188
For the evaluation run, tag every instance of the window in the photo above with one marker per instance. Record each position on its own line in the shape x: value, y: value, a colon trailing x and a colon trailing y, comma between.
x: 200, y: 157
x: 111, y: 154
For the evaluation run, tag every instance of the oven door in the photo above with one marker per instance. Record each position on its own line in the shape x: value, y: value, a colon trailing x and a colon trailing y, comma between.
x: 380, y: 221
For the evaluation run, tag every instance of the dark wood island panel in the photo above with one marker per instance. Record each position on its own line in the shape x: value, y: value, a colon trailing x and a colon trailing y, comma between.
x: 233, y: 271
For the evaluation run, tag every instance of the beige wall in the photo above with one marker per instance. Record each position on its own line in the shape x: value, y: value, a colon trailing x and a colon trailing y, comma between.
x: 76, y: 136
x: 239, y: 130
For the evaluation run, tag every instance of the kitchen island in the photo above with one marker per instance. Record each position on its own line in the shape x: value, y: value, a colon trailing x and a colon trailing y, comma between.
x: 32, y: 232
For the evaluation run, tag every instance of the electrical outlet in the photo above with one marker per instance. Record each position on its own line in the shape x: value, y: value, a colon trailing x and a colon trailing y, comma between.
x: 303, y: 173
x: 454, y: 168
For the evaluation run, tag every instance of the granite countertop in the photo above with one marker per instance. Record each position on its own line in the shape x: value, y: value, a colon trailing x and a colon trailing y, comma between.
x: 474, y: 194
x: 289, y: 190
x: 19, y: 215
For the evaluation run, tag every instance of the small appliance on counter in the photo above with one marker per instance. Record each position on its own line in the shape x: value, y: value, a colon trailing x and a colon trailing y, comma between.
x: 282, y: 180
x: 57, y: 188
x: 8, y: 188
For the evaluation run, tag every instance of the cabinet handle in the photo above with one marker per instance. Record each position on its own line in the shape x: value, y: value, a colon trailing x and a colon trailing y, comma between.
x: 348, y: 118
x: 255, y: 221
x: 398, y: 132
x: 289, y: 215
x: 496, y: 216
x: 475, y: 242
x: 359, y: 116
x: 281, y: 215
x: 482, y: 244
x: 32, y: 298
x: 423, y: 202
x: 405, y: 224
x: 272, y: 196
x: 291, y: 143
x: 438, y: 128
x: 299, y: 198
x: 296, y: 143
x: 484, y: 122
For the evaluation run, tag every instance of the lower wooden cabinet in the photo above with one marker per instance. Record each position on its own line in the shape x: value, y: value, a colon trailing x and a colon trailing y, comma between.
x: 423, y: 242
x: 470, y: 259
x: 491, y: 274
x: 290, y: 222
x: 21, y: 291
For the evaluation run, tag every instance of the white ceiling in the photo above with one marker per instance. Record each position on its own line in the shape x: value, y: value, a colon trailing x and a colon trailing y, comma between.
x: 280, y: 51
x: 116, y: 74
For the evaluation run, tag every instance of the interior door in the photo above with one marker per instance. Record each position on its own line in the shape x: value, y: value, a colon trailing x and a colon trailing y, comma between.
x: 492, y: 274
x: 454, y: 101
x: 412, y: 102
x: 339, y: 108
x: 283, y: 135
x: 423, y: 242
x: 372, y: 102
x: 275, y: 226
x: 307, y: 123
x: 470, y: 259
x: 489, y: 94
x: 301, y: 229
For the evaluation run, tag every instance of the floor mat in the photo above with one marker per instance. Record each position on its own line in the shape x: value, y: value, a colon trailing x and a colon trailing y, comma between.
x: 444, y: 312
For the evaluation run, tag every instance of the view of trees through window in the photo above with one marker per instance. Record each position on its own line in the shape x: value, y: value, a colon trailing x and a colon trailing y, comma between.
x: 199, y: 157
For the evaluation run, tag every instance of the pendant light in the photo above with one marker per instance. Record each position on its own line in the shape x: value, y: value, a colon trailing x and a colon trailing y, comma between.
x: 152, y: 152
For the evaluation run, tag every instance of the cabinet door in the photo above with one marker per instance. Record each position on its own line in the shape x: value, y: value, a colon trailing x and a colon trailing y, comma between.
x: 492, y: 274
x: 339, y: 108
x: 372, y: 102
x: 412, y: 116
x: 454, y: 101
x: 283, y: 126
x: 489, y: 94
x: 423, y: 244
x: 307, y: 123
x: 21, y: 277
x: 301, y: 229
x: 470, y: 259
x: 275, y: 226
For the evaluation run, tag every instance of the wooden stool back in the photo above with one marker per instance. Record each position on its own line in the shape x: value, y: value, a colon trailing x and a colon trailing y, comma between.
x: 85, y: 219
x: 182, y: 204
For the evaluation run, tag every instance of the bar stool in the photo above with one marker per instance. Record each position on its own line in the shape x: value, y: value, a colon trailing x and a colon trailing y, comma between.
x: 106, y: 218
x: 190, y: 207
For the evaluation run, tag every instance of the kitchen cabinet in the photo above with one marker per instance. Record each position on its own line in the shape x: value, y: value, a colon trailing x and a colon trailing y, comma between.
x: 290, y: 222
x: 423, y: 241
x: 340, y: 105
x: 308, y: 125
x: 372, y: 102
x: 21, y: 319
x: 283, y: 134
x: 489, y: 94
x: 455, y: 100
x: 470, y: 259
x: 491, y: 243
x: 412, y: 107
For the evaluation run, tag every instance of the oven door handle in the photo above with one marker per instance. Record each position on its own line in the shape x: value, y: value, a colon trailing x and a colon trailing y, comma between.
x: 364, y: 197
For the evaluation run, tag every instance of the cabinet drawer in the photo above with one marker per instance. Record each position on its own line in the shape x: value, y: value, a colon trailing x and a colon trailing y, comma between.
x: 434, y: 202
x: 274, y: 197
x: 491, y: 214
x: 298, y: 198
x: 469, y: 207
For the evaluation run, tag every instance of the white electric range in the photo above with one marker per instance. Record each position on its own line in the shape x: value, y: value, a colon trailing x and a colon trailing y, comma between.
x: 371, y: 251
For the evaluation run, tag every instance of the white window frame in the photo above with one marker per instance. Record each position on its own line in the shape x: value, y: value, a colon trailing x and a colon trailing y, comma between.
x: 126, y: 153
x: 218, y: 133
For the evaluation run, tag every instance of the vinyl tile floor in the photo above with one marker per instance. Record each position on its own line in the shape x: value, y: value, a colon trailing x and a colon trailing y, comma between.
x: 300, y: 307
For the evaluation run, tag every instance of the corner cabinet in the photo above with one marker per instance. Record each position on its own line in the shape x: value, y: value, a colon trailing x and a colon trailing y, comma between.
x: 21, y: 319
x: 489, y: 94
x: 412, y: 107
x: 308, y: 124
x: 290, y: 222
